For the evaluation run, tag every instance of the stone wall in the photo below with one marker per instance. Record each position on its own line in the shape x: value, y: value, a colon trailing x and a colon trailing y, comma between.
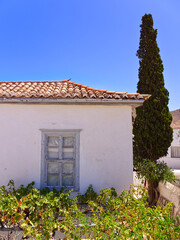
x: 170, y: 192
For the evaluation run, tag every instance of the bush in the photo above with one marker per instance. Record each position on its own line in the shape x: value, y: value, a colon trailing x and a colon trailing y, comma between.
x: 90, y: 194
x: 155, y: 171
x: 108, y: 216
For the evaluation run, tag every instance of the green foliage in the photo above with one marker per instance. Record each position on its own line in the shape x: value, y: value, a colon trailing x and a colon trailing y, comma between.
x: 155, y: 172
x: 90, y: 194
x: 152, y: 131
x: 108, y: 217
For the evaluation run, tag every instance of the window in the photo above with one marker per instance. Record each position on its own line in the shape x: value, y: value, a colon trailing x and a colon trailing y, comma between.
x: 175, y: 152
x: 60, y: 159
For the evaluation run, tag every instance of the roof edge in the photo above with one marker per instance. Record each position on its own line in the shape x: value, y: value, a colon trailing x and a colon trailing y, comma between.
x: 137, y: 102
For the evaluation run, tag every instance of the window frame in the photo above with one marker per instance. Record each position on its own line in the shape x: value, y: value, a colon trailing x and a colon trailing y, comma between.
x: 44, y: 160
x: 172, y: 156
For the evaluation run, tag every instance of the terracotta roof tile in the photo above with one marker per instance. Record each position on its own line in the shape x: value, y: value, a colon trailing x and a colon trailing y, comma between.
x: 59, y: 89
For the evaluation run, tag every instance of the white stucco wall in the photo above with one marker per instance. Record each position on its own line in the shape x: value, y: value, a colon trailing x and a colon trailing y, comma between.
x: 105, y: 142
x: 173, y: 162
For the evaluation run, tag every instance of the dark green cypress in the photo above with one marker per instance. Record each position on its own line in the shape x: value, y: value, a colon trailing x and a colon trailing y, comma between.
x: 151, y: 129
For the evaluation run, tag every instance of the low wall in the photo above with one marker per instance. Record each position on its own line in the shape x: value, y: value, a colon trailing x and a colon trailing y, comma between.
x: 170, y: 192
x: 174, y: 163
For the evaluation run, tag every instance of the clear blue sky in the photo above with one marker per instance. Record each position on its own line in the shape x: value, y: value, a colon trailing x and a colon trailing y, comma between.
x: 93, y: 42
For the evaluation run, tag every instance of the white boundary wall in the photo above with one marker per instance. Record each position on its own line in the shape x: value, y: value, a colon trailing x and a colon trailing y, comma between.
x: 173, y: 162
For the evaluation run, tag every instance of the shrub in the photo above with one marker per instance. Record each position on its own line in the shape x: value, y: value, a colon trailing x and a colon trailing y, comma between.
x: 90, y: 194
x: 155, y: 172
x: 108, y: 216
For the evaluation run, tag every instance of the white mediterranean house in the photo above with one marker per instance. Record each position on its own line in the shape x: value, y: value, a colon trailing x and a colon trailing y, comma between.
x: 60, y: 133
x: 173, y: 157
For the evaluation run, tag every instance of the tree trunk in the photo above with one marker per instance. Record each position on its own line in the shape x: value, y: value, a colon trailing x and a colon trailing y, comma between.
x: 153, y: 193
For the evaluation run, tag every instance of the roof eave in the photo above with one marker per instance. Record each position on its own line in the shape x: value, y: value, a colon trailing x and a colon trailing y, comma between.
x: 137, y: 102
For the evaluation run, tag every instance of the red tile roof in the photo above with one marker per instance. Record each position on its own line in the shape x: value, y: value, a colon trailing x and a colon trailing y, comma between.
x: 59, y: 90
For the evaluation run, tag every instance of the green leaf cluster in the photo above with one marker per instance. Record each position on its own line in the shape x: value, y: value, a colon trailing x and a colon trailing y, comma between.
x: 90, y: 194
x: 109, y: 216
x: 155, y: 171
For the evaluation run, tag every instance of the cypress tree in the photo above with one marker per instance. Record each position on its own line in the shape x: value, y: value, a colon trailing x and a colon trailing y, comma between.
x: 151, y: 129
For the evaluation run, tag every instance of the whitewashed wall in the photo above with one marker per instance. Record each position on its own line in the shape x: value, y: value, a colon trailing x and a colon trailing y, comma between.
x: 105, y: 142
x: 173, y: 162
